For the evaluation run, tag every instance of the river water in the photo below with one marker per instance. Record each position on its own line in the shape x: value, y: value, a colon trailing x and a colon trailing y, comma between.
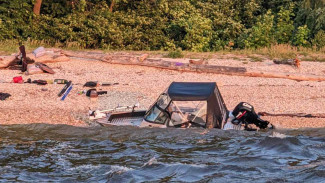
x: 59, y: 153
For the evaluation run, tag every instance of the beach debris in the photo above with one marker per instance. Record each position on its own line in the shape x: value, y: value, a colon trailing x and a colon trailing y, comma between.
x: 64, y: 89
x: 33, y: 69
x: 38, y: 52
x: 108, y: 84
x: 44, y: 68
x: 44, y: 89
x: 60, y: 81
x: 67, y: 92
x: 18, y: 79
x: 101, y: 92
x: 293, y: 62
x: 91, y: 84
x: 4, y: 96
x: 6, y: 61
x: 82, y: 92
x: 40, y: 82
x: 196, y: 61
x: 143, y: 57
x: 179, y: 64
x: 93, y: 93
x: 298, y: 115
x: 49, y: 81
x: 40, y: 55
x: 23, y: 58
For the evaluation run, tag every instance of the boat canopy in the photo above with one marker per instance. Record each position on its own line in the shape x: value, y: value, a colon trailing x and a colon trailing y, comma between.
x: 196, y: 102
x: 191, y: 91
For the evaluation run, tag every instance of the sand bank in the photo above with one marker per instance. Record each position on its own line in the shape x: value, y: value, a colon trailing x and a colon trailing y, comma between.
x: 30, y: 104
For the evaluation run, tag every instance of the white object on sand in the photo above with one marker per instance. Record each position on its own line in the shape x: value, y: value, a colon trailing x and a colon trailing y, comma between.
x: 38, y: 52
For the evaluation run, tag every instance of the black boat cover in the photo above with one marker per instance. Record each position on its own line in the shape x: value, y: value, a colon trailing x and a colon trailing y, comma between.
x: 217, y: 112
x: 195, y: 91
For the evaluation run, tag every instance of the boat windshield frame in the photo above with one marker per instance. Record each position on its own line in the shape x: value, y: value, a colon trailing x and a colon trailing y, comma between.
x: 161, y: 116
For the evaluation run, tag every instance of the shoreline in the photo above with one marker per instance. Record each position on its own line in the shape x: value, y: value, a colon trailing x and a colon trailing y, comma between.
x: 30, y: 104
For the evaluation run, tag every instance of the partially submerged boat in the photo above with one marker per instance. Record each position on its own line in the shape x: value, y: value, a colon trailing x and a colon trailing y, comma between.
x: 183, y: 104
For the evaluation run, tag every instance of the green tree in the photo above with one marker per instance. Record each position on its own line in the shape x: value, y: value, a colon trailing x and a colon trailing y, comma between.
x: 319, y: 40
x: 301, y: 37
x: 261, y: 34
x: 312, y: 14
x: 284, y: 27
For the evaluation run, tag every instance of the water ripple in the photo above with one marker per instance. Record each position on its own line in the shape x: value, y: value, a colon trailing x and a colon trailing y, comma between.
x: 62, y: 153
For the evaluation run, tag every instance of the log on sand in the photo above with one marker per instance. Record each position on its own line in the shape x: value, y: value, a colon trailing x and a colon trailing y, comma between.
x: 48, y: 57
x: 300, y: 115
x: 6, y: 61
x: 156, y: 63
x: 187, y: 67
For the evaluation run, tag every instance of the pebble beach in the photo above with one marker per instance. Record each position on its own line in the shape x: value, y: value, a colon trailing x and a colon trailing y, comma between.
x: 31, y: 103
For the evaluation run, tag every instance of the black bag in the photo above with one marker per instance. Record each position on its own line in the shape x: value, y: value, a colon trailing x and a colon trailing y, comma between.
x: 40, y: 82
x: 4, y: 96
x: 244, y: 113
x: 90, y: 84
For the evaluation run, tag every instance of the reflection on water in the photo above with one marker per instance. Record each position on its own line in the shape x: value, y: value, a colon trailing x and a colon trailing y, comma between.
x: 129, y: 154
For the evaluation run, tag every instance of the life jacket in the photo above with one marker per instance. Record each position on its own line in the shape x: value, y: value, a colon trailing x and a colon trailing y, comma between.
x: 244, y: 113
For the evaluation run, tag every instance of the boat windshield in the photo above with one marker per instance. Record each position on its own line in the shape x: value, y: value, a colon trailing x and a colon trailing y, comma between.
x: 157, y: 113
x: 188, y: 111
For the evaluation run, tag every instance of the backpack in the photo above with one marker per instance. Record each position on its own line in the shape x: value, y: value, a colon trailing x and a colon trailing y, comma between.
x: 244, y: 113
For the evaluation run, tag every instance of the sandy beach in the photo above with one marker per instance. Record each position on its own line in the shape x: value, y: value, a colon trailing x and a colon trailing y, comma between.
x: 31, y: 103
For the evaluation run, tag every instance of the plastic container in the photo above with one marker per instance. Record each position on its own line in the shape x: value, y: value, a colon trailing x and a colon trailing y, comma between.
x: 18, y: 79
x: 60, y: 81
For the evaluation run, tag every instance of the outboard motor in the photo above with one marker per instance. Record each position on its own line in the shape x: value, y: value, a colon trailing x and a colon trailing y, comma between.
x: 244, y: 113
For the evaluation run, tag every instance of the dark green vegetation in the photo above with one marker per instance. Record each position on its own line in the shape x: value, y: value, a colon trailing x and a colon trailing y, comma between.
x: 194, y: 25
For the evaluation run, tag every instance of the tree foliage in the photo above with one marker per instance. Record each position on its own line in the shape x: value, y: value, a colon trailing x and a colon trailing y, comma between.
x: 196, y: 25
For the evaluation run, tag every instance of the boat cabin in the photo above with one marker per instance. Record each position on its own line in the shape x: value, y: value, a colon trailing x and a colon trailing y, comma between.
x: 186, y: 104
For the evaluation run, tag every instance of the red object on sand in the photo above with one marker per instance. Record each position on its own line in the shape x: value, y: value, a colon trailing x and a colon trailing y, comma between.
x: 18, y: 79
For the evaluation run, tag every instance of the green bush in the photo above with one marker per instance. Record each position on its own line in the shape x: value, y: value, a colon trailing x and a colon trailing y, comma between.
x: 284, y: 26
x: 175, y: 53
x: 261, y: 34
x: 301, y: 36
x: 319, y: 40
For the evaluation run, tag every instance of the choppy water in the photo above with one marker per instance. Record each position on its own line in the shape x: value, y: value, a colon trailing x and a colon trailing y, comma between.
x: 61, y: 153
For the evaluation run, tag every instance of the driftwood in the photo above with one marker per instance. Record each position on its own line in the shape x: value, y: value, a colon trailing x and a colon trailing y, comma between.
x: 300, y: 115
x: 6, y: 61
x: 296, y: 77
x: 196, y: 62
x: 156, y: 63
x: 293, y: 62
x: 188, y: 67
x: 48, y: 57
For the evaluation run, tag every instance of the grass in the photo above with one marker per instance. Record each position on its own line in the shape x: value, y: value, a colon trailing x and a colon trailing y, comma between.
x: 314, y: 58
x: 237, y: 58
x: 255, y: 58
x: 276, y: 51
